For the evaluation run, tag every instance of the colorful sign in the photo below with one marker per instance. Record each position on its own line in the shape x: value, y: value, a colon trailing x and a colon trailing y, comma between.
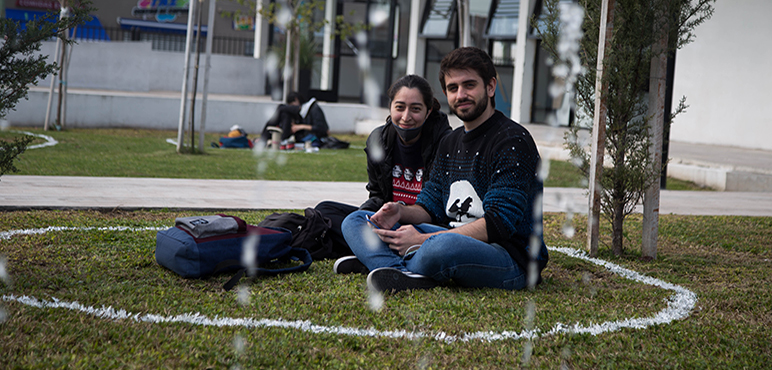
x: 39, y: 4
x: 164, y: 10
x: 243, y: 23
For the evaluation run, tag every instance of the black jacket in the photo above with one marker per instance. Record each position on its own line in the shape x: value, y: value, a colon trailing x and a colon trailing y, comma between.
x: 379, y: 172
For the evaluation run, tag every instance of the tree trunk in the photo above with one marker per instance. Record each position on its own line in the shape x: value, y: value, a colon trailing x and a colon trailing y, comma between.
x: 618, y: 194
x: 617, y: 228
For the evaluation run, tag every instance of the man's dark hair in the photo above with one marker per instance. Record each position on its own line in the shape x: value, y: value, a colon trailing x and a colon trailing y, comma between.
x: 469, y: 58
x: 294, y: 95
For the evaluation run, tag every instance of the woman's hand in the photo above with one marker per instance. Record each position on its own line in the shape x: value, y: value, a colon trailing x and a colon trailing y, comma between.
x: 387, y: 216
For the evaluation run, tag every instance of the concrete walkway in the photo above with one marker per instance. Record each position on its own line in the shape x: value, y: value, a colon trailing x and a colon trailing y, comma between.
x: 744, y: 174
x: 59, y: 192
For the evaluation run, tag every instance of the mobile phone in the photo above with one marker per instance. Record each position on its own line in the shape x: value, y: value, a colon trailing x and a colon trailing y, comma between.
x: 371, y: 222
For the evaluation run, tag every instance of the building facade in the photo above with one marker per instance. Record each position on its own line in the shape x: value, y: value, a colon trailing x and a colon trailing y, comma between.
x: 722, y: 73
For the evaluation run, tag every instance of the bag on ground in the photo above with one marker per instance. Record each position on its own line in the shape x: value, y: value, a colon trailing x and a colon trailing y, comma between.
x: 309, y: 231
x: 201, y: 246
x: 331, y: 142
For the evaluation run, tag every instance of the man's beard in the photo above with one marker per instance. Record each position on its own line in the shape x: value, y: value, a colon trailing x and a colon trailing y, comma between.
x: 477, y: 110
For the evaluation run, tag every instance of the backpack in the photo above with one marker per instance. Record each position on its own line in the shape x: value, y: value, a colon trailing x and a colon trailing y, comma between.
x: 202, y: 246
x: 331, y: 142
x: 235, y: 142
x: 309, y: 232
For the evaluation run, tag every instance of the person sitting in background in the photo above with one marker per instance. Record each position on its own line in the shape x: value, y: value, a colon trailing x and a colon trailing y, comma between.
x: 399, y: 153
x: 300, y: 120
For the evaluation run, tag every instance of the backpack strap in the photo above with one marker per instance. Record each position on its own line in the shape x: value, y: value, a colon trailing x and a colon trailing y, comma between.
x: 295, y: 254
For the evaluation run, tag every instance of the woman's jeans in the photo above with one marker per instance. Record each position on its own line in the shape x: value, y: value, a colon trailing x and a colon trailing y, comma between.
x: 467, y: 261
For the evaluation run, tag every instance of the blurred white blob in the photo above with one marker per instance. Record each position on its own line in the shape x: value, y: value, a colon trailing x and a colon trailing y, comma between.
x: 379, y: 14
x: 4, y: 124
x: 249, y: 253
x: 281, y: 159
x: 374, y: 300
x: 372, y: 92
x: 272, y: 67
x: 571, y: 17
x: 3, y: 315
x: 376, y: 151
x: 568, y: 226
x: 565, y: 355
x: 238, y: 343
x: 242, y: 294
x: 544, y: 170
x: 372, y: 241
x: 4, y: 277
x: 284, y: 16
x: 527, y: 351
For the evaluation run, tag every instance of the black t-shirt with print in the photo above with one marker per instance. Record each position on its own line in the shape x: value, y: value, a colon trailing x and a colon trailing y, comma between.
x: 407, y: 175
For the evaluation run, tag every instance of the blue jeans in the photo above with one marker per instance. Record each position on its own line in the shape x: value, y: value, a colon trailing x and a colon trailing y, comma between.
x: 467, y: 261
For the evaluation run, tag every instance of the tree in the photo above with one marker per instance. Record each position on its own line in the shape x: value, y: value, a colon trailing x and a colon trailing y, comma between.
x: 626, y: 74
x: 299, y: 20
x: 20, y: 68
x: 10, y: 150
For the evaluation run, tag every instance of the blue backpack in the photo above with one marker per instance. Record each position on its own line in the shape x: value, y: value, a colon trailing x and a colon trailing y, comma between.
x: 193, y: 254
x: 236, y: 142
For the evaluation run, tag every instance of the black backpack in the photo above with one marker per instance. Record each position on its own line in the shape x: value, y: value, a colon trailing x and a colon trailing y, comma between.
x: 308, y: 232
x: 330, y: 142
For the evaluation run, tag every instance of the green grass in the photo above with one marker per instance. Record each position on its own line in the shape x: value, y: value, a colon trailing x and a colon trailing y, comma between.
x: 725, y: 261
x: 146, y: 153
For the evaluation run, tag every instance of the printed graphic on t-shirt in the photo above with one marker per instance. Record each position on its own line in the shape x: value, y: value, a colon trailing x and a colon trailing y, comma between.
x: 406, y: 183
x: 464, y: 205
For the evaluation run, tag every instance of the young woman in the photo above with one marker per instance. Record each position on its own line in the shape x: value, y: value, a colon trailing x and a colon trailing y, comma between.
x: 399, y: 153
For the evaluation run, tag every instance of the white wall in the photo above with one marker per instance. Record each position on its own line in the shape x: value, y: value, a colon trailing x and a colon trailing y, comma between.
x: 134, y: 66
x: 726, y: 77
x: 160, y: 110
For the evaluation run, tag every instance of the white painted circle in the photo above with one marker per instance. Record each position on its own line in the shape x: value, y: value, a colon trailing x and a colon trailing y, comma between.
x: 679, y: 306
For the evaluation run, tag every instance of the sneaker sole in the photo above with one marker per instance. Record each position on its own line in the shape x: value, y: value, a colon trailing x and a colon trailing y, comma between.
x: 393, y: 280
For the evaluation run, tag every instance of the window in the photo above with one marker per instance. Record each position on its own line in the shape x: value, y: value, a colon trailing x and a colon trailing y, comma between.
x: 438, y: 19
x: 503, y: 23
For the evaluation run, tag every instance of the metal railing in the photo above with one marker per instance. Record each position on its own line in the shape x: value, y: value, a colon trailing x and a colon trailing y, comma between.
x: 164, y: 41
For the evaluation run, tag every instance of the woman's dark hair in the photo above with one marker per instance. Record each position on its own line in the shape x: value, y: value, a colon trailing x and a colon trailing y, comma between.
x: 415, y: 82
x: 470, y: 58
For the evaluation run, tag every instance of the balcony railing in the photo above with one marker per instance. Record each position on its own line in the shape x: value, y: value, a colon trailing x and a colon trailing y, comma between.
x: 164, y: 41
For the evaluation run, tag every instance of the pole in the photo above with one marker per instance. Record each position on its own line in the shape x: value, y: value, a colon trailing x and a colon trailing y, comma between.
x: 599, y: 129
x: 66, y: 77
x: 62, y: 71
x: 51, y: 88
x: 184, y: 99
x: 192, y: 123
x: 209, y: 38
x: 464, y: 29
x: 657, y: 92
x: 671, y: 56
x: 287, y: 71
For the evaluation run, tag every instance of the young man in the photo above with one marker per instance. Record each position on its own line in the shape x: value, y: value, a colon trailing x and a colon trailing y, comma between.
x: 484, y: 187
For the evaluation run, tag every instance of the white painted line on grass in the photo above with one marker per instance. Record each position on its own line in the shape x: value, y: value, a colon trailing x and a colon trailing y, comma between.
x: 679, y: 306
x: 50, y: 141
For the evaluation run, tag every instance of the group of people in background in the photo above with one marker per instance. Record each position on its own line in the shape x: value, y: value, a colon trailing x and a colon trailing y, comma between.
x: 444, y: 205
